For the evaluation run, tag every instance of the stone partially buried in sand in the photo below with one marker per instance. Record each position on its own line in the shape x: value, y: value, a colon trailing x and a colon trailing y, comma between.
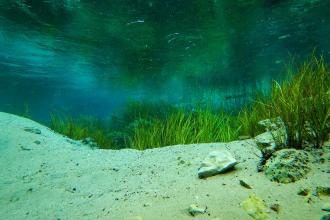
x: 195, y: 210
x: 255, y: 207
x: 216, y: 162
x: 287, y: 165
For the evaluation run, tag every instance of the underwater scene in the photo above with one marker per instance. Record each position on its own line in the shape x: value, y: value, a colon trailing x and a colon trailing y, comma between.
x: 165, y: 110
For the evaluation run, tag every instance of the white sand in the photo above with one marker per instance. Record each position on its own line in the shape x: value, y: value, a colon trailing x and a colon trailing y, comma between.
x: 37, y: 181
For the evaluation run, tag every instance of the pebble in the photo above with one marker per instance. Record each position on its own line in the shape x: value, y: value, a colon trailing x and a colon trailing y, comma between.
x: 32, y: 130
x: 244, y: 184
x: 303, y: 192
x: 275, y: 207
x: 195, y: 210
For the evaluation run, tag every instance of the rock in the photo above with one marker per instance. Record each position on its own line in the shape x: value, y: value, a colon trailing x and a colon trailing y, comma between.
x: 325, y: 217
x: 275, y: 207
x: 146, y: 204
x: 266, y: 153
x: 25, y: 148
x: 322, y: 191
x: 308, y: 198
x: 303, y: 192
x: 315, y: 153
x: 195, y: 210
x: 265, y: 140
x: 272, y: 139
x: 255, y: 207
x: 216, y: 162
x: 32, y: 130
x: 90, y: 142
x: 287, y: 165
x: 275, y: 136
x: 37, y: 142
x: 87, y: 140
x: 244, y: 184
x: 326, y: 207
x: 272, y: 124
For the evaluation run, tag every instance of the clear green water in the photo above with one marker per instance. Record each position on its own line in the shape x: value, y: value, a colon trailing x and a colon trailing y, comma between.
x: 93, y: 57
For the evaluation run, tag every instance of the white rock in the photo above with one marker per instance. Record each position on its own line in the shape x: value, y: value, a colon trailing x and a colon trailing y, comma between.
x: 195, y: 210
x: 216, y: 162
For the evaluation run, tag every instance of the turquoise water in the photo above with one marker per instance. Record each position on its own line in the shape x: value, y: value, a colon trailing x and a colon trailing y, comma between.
x: 93, y: 57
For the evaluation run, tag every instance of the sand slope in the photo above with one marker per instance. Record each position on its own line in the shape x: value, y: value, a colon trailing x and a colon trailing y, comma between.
x: 61, y: 179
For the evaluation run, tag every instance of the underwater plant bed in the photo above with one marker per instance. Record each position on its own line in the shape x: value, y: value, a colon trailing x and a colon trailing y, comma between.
x: 302, y: 101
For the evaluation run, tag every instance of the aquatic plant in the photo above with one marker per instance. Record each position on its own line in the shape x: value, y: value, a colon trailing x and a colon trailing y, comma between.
x: 302, y: 101
x: 250, y: 115
x: 186, y: 127
x: 135, y: 110
x: 26, y: 112
x: 80, y: 128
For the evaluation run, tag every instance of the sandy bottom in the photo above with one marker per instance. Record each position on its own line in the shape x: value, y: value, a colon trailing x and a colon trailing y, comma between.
x: 48, y: 176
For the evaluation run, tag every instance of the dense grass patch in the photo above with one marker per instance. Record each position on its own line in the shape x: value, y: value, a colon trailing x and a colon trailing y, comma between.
x: 184, y: 127
x: 302, y: 101
x: 82, y: 127
x: 114, y: 132
x: 176, y: 126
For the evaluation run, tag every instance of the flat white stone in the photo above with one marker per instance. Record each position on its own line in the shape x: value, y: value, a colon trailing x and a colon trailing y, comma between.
x: 216, y: 162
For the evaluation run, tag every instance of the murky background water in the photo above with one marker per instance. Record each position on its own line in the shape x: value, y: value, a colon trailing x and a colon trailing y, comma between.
x: 92, y: 57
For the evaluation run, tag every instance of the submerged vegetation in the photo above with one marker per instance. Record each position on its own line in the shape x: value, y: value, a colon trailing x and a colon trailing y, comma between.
x: 80, y: 128
x: 182, y: 127
x: 302, y: 101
